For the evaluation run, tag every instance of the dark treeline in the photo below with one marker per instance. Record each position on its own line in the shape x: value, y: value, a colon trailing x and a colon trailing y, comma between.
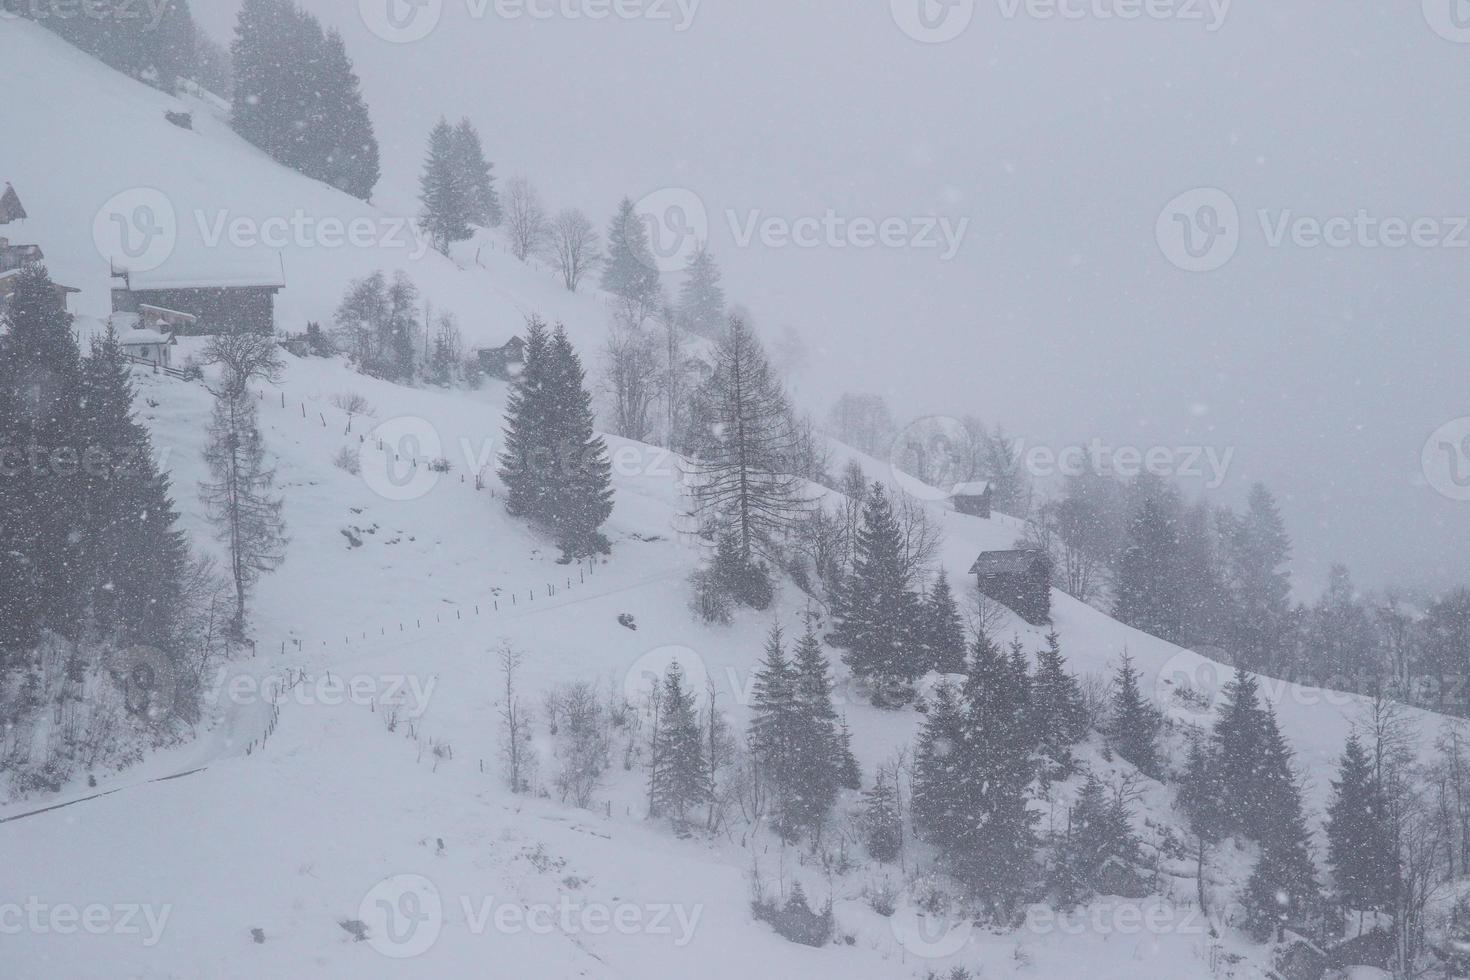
x: 1212, y: 578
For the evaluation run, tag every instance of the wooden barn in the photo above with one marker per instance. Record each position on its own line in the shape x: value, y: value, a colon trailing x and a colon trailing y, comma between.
x: 16, y: 256
x: 1019, y: 580
x: 974, y: 498
x: 502, y: 362
x: 201, y: 304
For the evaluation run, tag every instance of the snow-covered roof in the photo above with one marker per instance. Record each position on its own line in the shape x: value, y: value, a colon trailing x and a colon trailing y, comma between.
x: 1017, y: 562
x: 142, y: 338
x: 150, y: 308
x: 974, y: 488
x: 238, y: 278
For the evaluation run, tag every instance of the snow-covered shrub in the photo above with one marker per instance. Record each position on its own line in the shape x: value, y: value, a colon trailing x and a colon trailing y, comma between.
x: 348, y: 460
x: 710, y: 602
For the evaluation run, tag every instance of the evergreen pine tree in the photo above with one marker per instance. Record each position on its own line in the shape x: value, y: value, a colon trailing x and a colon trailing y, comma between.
x: 483, y: 201
x: 1133, y: 723
x: 1099, y: 831
x: 630, y: 270
x: 41, y: 419
x: 1057, y: 701
x: 944, y: 631
x: 821, y: 752
x: 1257, y: 549
x: 580, y: 496
x: 134, y: 555
x: 882, y: 825
x: 777, y: 730
x: 1148, y: 574
x: 1283, y: 887
x: 1360, y: 848
x: 875, y: 612
x: 941, y: 804
x: 348, y: 146
x: 995, y: 852
x: 528, y: 417
x: 701, y: 297
x: 680, y: 771
x: 444, y: 191
x: 1240, y: 744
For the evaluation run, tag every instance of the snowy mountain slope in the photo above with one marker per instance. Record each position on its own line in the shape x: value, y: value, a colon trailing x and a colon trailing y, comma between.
x: 112, y: 151
x: 405, y: 587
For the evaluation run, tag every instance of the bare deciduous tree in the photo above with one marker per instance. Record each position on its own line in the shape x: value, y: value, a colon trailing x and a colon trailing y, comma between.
x: 573, y: 244
x: 515, y: 724
x: 525, y: 218
x: 631, y: 379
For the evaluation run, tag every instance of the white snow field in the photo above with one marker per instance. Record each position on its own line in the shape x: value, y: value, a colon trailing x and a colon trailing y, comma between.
x: 403, y: 590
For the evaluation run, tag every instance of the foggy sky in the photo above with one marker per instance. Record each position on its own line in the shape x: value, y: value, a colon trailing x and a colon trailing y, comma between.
x: 1323, y: 370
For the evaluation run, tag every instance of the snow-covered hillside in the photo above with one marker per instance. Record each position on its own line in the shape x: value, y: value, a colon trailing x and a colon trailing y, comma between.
x: 399, y: 586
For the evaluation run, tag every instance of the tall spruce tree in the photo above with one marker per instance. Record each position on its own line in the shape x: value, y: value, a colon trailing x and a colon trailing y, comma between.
x: 1133, y: 723
x: 1241, y: 739
x: 702, y: 301
x: 41, y: 422
x: 1360, y: 846
x: 135, y: 557
x: 777, y: 733
x: 630, y: 270
x: 1148, y: 595
x: 1061, y: 720
x: 943, y: 630
x: 298, y: 98
x: 679, y: 770
x: 1283, y: 887
x: 941, y: 801
x: 528, y: 416
x: 1257, y: 549
x: 876, y: 612
x: 822, y: 752
x: 881, y: 820
x: 477, y: 172
x: 581, y: 500
x: 444, y: 192
x: 996, y: 852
